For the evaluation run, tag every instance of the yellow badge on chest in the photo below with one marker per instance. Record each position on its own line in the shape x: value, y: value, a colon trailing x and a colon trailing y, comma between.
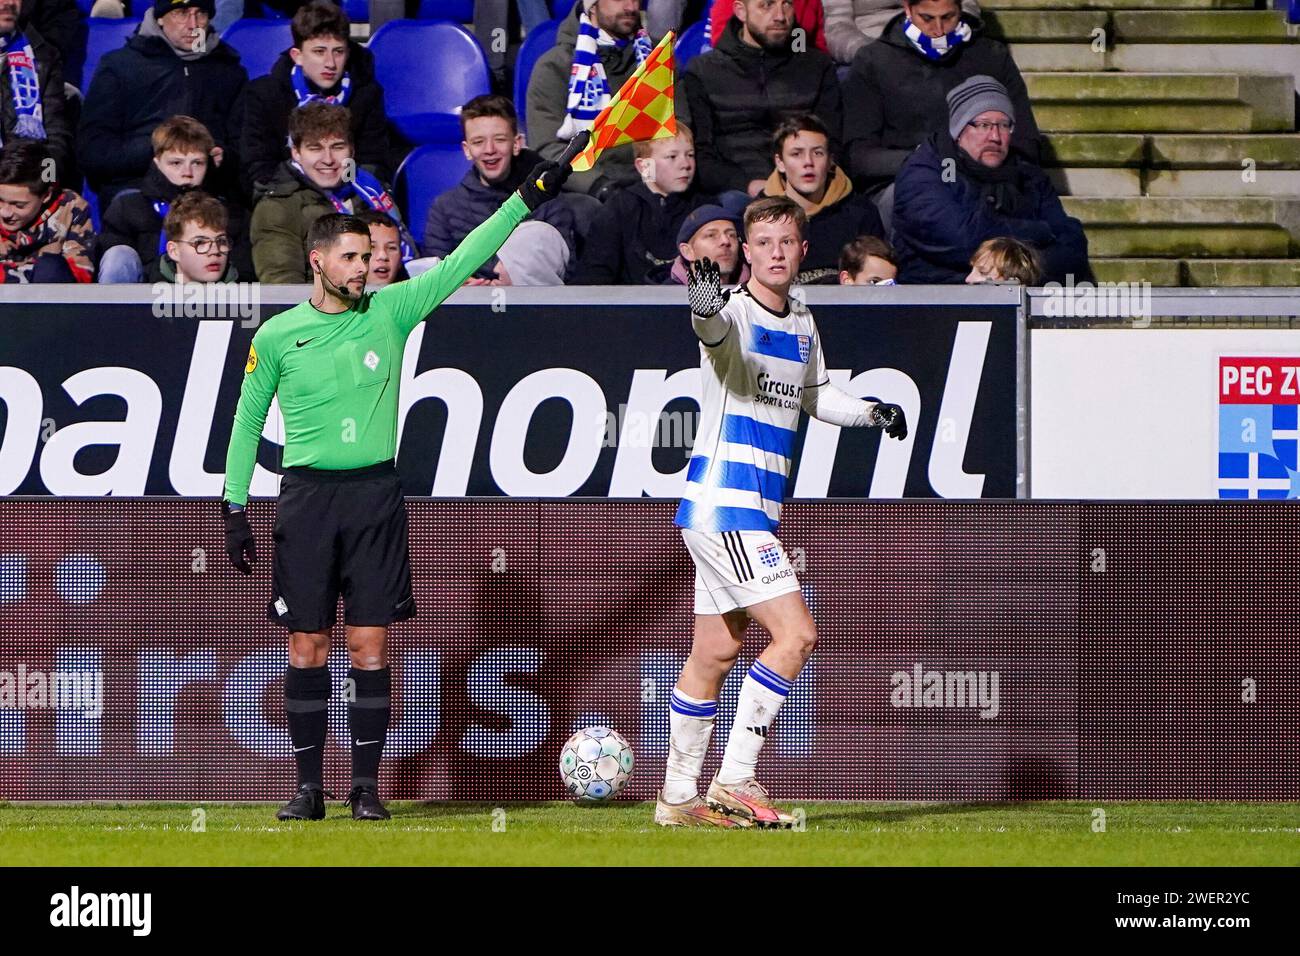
x: 252, y: 361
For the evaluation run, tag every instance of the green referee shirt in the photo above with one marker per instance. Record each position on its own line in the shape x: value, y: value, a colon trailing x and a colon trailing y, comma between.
x: 337, y: 375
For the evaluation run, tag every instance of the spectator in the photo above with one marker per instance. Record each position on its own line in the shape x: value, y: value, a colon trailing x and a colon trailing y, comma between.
x: 31, y: 88
x: 897, y: 87
x: 631, y: 239
x: 868, y: 260
x: 175, y: 63
x: 385, y: 249
x: 61, y: 25
x: 1005, y: 260
x: 964, y: 185
x: 599, y: 45
x: 740, y: 92
x: 852, y: 24
x: 491, y: 142
x: 711, y: 232
x: 806, y: 173
x: 323, y: 65
x: 808, y: 16
x: 45, y: 230
x: 319, y: 177
x: 198, y: 244
x: 132, y: 243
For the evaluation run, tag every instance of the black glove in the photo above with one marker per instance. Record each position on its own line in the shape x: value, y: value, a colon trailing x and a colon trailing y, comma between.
x: 704, y: 288
x: 544, y: 182
x: 241, y: 547
x: 891, y: 419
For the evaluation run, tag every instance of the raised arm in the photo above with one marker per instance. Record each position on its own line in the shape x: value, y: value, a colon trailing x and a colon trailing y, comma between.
x: 708, y: 299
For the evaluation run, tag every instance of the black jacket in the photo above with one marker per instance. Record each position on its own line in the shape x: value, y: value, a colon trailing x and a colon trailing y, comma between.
x: 737, y: 95
x: 58, y: 133
x: 633, y: 239
x: 899, y: 97
x: 270, y: 100
x: 131, y: 220
x: 939, y: 224
x: 142, y: 84
x: 841, y: 219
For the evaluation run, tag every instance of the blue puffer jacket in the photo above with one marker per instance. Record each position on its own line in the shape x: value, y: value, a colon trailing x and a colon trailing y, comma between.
x: 938, y: 225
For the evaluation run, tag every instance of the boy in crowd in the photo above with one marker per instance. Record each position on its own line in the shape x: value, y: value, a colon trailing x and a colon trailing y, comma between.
x: 868, y: 260
x: 45, y: 230
x: 1005, y: 260
x: 320, y: 177
x: 198, y: 244
x: 385, y: 249
x: 132, y: 242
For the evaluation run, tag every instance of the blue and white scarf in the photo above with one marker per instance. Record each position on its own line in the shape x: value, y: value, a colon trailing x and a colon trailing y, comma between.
x: 306, y: 96
x: 589, y: 91
x: 371, y: 191
x: 24, y: 85
x: 162, y: 207
x: 936, y: 48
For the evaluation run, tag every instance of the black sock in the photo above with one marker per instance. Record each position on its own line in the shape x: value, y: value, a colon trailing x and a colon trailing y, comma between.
x: 306, y: 704
x: 368, y: 718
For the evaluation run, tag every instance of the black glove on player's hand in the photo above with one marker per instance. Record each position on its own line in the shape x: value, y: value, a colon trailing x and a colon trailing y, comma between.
x: 704, y: 288
x: 241, y: 547
x: 891, y: 419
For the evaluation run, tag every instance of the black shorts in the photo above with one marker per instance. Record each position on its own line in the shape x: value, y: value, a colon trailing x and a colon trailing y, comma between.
x: 341, y: 532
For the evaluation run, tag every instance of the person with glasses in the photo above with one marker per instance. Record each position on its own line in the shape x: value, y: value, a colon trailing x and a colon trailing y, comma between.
x: 132, y: 245
x: 966, y: 184
x: 174, y: 58
x: 198, y: 246
x: 896, y: 87
x: 868, y: 260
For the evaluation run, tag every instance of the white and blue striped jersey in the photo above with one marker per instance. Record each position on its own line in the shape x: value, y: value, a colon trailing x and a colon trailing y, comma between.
x: 752, y: 383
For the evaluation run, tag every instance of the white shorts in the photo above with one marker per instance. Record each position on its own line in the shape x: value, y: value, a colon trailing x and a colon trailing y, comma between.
x: 736, y: 569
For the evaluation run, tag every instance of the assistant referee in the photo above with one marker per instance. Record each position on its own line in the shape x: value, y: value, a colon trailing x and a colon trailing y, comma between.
x: 340, y: 528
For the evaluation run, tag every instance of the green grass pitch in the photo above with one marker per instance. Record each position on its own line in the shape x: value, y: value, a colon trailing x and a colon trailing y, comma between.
x: 622, y: 833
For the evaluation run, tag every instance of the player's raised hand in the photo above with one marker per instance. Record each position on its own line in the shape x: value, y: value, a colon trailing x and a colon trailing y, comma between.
x: 891, y: 419
x: 547, y: 178
x: 704, y: 287
x: 241, y: 546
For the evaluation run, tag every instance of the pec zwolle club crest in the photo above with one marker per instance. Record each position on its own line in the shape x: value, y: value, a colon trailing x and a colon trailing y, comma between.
x: 1258, y: 400
x: 805, y: 347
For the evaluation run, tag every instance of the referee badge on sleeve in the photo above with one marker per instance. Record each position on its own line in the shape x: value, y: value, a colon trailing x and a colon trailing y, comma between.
x: 252, y: 361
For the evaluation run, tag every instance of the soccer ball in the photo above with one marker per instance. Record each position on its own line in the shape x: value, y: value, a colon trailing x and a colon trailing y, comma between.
x: 595, y: 763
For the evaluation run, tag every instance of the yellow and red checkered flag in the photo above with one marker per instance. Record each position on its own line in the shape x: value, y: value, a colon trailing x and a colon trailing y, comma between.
x: 641, y: 110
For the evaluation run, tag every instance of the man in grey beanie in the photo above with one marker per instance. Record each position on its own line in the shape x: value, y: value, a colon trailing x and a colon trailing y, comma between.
x: 964, y: 185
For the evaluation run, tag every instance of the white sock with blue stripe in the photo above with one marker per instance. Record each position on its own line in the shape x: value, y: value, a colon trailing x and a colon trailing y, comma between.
x: 761, y: 696
x: 691, y: 727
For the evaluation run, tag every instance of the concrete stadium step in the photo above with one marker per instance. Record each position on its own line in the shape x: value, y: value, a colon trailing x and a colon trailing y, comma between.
x: 1045, y: 26
x: 1149, y: 210
x: 1095, y: 149
x: 1117, y: 5
x: 1096, y: 181
x: 1241, y: 272
x: 1278, y: 183
x: 1163, y: 102
x: 1219, y: 151
x: 1197, y: 240
x: 1149, y: 117
x: 1159, y: 272
x: 1199, y: 26
x: 1279, y: 56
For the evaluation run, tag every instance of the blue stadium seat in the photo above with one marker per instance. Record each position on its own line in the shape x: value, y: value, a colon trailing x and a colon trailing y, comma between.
x: 270, y: 13
x: 93, y: 202
x: 457, y: 11
x: 103, y: 35
x: 84, y: 6
x: 428, y: 69
x: 690, y: 44
x: 560, y: 8
x: 427, y: 173
x: 541, y: 39
x: 259, y: 43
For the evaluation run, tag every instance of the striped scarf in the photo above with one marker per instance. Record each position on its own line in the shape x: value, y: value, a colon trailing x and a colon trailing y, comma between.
x: 370, y: 191
x: 936, y: 48
x: 306, y: 96
x: 588, y: 87
x: 24, y: 86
